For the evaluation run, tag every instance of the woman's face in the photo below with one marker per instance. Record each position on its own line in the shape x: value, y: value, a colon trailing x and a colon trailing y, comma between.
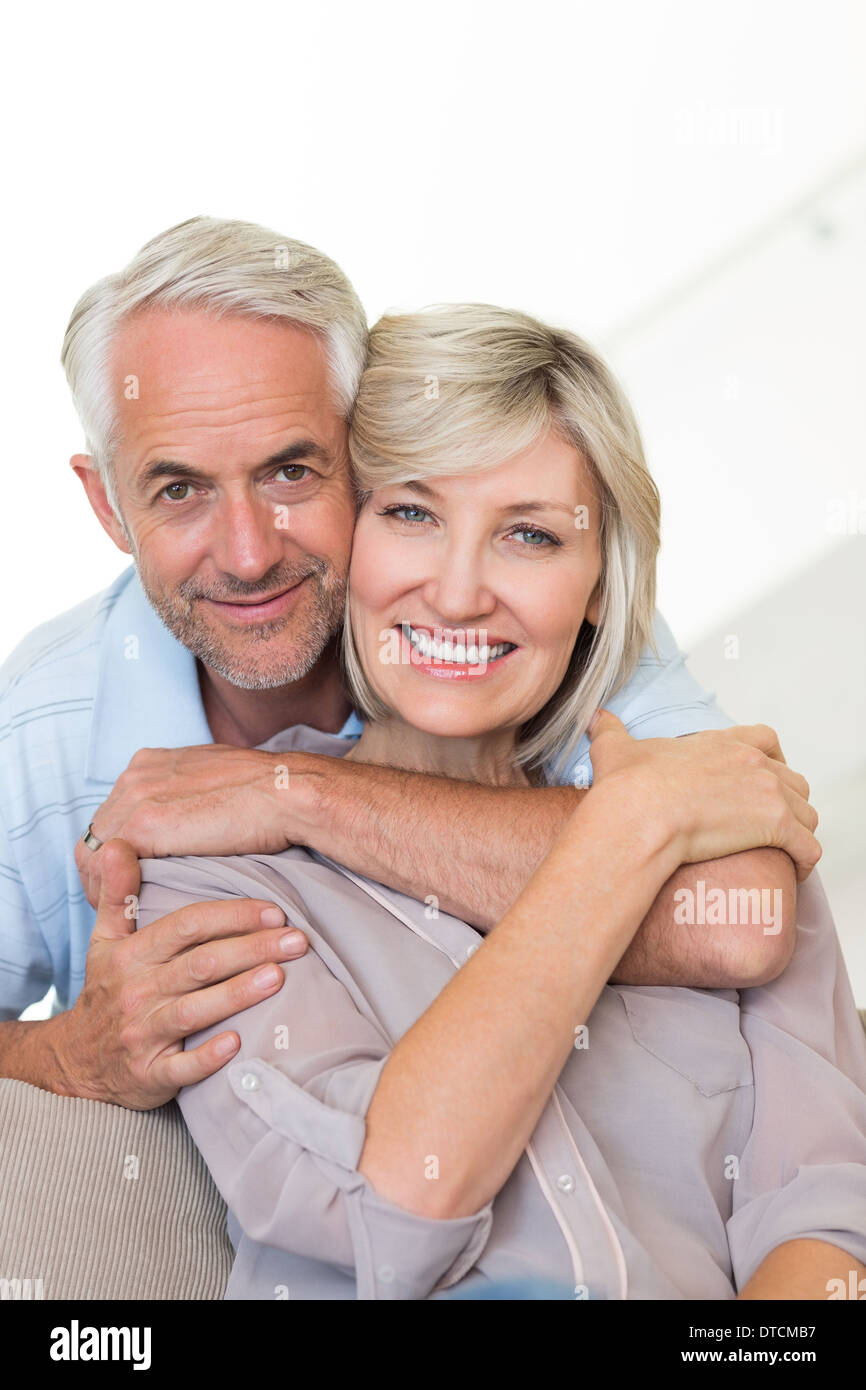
x: 467, y: 593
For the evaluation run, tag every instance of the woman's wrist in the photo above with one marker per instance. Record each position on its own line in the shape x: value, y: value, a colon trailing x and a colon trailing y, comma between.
x: 625, y: 811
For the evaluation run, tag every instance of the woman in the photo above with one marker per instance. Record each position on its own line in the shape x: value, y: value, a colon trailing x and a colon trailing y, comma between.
x: 420, y: 1112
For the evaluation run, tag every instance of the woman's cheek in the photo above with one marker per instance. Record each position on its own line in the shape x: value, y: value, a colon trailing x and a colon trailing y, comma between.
x: 554, y: 617
x: 381, y: 569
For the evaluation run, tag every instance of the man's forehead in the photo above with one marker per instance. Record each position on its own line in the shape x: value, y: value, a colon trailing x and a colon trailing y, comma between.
x: 159, y: 355
x: 179, y: 376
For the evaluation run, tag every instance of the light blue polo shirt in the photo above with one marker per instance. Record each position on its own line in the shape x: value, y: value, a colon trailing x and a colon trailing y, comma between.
x: 82, y: 693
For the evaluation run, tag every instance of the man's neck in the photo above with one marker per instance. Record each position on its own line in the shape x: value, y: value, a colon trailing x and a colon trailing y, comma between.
x: 246, y: 718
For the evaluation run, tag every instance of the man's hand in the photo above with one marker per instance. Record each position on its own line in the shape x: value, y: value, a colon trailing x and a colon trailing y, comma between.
x: 212, y: 799
x: 144, y: 992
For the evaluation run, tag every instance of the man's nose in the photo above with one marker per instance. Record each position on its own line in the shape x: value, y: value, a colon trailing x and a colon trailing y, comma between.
x: 246, y: 541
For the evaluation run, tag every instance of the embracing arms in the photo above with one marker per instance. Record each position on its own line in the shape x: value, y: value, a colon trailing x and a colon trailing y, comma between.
x: 469, y: 846
x: 467, y: 1081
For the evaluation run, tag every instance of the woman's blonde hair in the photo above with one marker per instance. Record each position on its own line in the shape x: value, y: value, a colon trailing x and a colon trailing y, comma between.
x: 461, y: 388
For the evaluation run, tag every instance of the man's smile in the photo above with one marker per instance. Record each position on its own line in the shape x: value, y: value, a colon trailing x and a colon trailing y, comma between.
x: 259, y: 610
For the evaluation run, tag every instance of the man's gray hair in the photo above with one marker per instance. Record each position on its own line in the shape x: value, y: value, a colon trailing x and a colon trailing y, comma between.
x: 221, y: 267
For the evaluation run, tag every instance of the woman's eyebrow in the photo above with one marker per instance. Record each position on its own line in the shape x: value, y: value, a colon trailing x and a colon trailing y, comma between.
x: 539, y: 506
x: 533, y: 505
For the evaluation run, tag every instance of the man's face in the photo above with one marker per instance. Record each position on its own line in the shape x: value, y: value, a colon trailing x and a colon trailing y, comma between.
x: 232, y: 481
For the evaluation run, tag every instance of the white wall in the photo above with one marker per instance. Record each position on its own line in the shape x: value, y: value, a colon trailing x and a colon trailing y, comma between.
x: 750, y: 391
x: 796, y: 659
x: 573, y: 159
x: 631, y: 170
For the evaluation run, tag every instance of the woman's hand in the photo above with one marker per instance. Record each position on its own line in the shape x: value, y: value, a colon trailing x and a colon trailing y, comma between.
x: 717, y: 793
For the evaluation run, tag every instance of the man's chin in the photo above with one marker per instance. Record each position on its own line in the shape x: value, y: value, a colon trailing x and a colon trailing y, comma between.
x: 259, y: 656
x: 248, y: 675
x: 261, y: 662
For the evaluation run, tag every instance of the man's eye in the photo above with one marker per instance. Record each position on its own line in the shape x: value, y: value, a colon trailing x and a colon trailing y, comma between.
x: 177, y: 492
x: 295, y: 472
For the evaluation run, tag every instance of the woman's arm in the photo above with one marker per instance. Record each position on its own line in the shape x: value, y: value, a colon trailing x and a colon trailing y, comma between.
x: 486, y: 1054
x: 807, y: 1269
x: 468, y: 1082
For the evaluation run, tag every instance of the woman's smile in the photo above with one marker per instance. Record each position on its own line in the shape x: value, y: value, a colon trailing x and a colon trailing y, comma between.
x: 465, y: 653
x: 450, y: 590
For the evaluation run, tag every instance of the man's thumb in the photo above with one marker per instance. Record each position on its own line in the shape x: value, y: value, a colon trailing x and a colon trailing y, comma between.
x: 118, y: 891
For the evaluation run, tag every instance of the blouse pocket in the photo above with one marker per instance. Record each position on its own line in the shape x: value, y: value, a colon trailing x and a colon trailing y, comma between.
x: 694, y: 1032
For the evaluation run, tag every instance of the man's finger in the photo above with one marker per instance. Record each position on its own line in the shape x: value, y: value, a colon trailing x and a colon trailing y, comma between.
x: 203, y: 1008
x: 189, y: 926
x: 215, y: 961
x: 185, y: 1068
x: 118, y: 893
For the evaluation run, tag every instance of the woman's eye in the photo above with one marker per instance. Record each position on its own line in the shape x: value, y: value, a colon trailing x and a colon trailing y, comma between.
x: 535, y: 538
x: 406, y: 512
x: 295, y: 472
x: 177, y: 492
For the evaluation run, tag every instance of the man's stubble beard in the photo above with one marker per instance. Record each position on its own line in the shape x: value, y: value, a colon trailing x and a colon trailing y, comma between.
x: 177, y: 611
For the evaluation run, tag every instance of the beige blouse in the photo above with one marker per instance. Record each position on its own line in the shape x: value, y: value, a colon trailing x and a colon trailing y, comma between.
x: 690, y: 1134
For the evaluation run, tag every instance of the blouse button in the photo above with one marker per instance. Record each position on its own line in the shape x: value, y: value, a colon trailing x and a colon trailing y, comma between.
x: 565, y: 1182
x: 386, y: 1274
x: 250, y: 1082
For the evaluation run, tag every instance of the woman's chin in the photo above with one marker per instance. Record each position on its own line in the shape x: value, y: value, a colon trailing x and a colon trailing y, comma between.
x: 450, y: 723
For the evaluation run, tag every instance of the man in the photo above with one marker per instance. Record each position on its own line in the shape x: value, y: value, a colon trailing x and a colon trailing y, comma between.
x: 214, y: 378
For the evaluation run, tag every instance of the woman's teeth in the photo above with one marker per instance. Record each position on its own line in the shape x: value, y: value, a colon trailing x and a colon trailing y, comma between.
x: 469, y: 652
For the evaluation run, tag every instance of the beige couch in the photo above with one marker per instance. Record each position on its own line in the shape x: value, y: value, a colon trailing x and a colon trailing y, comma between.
x: 101, y: 1202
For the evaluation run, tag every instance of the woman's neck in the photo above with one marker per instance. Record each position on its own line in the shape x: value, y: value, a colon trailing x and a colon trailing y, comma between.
x: 488, y: 759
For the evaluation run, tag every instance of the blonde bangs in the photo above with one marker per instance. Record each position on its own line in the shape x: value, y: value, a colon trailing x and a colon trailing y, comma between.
x: 462, y: 388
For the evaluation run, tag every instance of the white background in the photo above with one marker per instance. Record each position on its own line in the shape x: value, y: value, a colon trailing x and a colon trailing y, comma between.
x: 682, y: 183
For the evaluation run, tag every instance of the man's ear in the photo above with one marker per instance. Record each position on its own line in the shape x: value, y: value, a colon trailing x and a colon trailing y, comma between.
x: 88, y: 473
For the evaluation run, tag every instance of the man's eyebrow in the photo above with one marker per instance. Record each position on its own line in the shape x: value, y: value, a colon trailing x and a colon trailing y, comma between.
x: 532, y: 505
x: 170, y: 468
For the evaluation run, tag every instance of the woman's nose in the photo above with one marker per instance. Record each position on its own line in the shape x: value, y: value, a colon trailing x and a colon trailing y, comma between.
x: 459, y: 592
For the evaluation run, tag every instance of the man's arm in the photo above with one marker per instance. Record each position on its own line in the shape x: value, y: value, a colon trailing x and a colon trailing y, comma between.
x: 472, y: 848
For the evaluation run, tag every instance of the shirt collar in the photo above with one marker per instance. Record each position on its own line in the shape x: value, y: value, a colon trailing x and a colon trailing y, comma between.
x: 147, y: 692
